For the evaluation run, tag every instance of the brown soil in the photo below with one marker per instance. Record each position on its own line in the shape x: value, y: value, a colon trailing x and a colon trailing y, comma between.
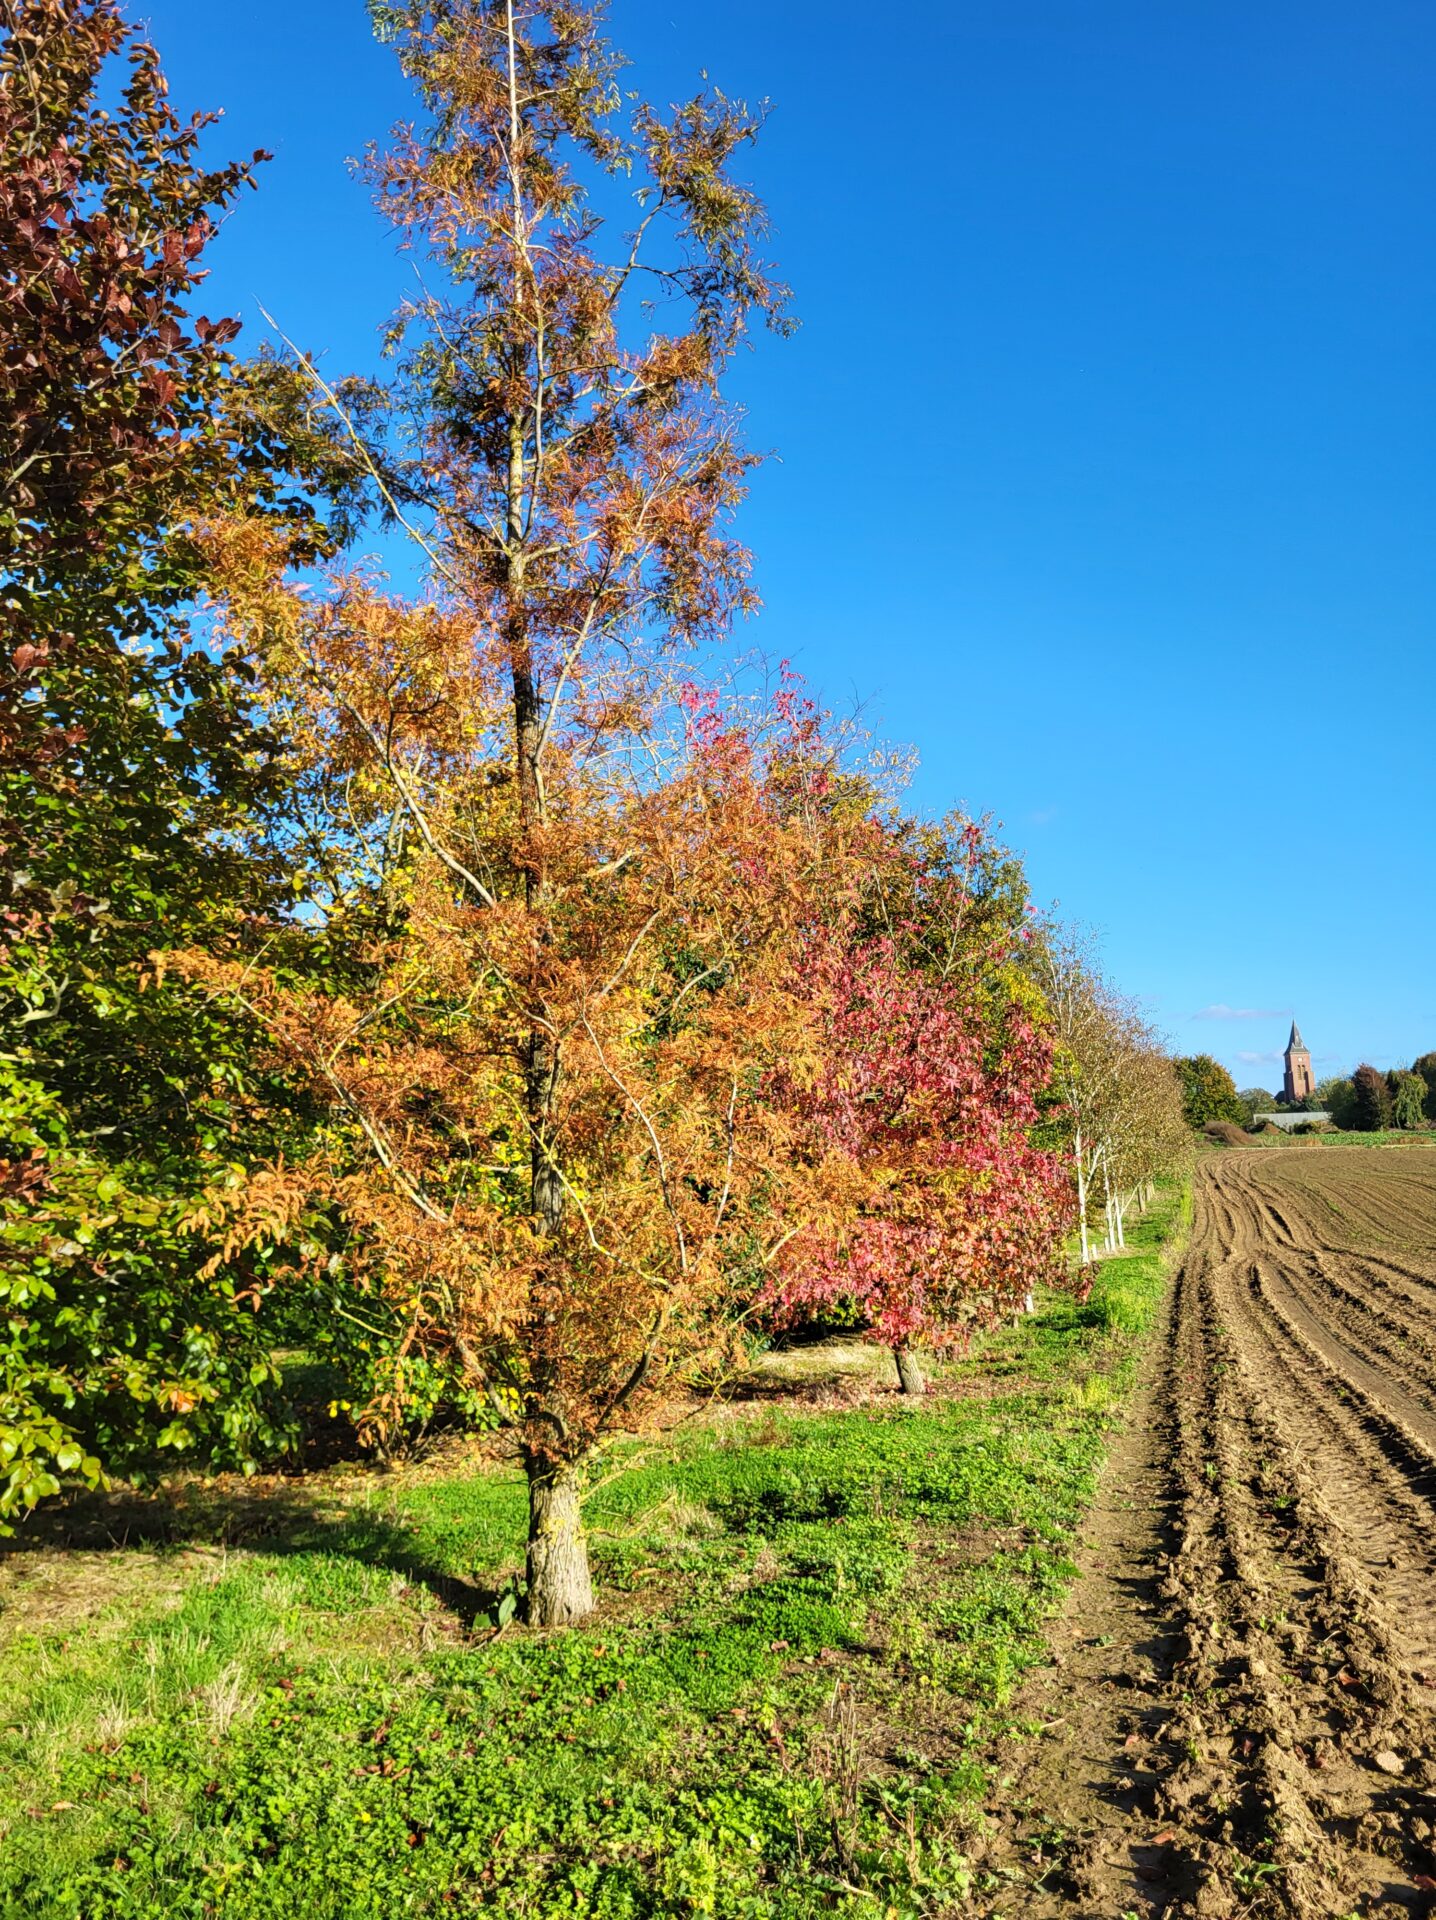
x: 1240, y: 1717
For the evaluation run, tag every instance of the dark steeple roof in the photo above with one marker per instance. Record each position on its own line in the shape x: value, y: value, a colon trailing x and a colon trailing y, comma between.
x: 1296, y: 1044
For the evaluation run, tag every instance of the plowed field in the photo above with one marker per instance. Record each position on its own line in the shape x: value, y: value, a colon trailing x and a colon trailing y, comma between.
x: 1241, y: 1718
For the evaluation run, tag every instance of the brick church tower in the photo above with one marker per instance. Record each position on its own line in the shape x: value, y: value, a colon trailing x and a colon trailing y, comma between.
x: 1298, y: 1082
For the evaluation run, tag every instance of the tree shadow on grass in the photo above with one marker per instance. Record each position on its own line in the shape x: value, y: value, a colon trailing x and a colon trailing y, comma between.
x: 266, y: 1515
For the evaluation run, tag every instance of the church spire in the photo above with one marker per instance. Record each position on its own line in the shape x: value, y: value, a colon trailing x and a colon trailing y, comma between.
x: 1297, y: 1082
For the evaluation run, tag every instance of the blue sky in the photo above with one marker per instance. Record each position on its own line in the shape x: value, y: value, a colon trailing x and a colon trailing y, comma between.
x: 1105, y: 469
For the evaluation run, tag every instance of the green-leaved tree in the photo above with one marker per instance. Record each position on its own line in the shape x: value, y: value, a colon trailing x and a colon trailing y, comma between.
x: 128, y: 767
x: 1337, y: 1096
x: 1408, y: 1101
x: 1425, y: 1068
x: 1371, y: 1100
x: 1208, y: 1091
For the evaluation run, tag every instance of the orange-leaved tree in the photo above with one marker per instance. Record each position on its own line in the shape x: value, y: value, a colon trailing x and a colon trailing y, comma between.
x: 565, y: 882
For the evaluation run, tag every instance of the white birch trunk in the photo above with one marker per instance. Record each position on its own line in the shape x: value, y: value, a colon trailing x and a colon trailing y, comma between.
x: 1082, y: 1199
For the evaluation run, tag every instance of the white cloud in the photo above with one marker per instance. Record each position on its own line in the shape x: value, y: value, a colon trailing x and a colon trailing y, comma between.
x: 1257, y: 1059
x: 1222, y: 1012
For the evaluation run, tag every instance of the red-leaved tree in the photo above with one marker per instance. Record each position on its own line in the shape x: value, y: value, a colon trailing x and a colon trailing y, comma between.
x: 935, y: 1063
x: 107, y: 382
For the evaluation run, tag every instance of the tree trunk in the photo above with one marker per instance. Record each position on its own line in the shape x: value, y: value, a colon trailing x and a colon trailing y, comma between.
x: 909, y: 1373
x: 542, y: 1065
x: 1082, y: 1199
x: 559, y: 1583
x: 540, y: 1082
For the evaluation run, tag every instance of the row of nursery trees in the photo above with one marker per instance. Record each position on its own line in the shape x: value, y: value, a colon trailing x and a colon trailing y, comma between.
x: 493, y: 990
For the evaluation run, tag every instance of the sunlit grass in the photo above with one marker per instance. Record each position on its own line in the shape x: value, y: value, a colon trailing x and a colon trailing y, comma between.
x: 811, y: 1623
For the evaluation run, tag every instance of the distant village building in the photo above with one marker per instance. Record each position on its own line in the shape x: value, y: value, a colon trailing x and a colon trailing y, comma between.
x: 1298, y: 1083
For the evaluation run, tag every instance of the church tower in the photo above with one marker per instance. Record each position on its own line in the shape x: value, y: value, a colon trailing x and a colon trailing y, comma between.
x: 1298, y: 1082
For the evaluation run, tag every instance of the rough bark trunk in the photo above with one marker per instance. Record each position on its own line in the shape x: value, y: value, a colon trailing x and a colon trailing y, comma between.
x: 909, y: 1373
x: 540, y: 1082
x: 542, y: 1066
x: 560, y: 1587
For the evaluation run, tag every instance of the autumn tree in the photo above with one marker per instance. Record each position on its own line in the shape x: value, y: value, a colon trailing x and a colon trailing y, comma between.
x: 1121, y: 1095
x: 934, y: 1059
x: 568, y: 878
x: 1147, y: 1133
x: 107, y: 394
x: 1078, y: 1005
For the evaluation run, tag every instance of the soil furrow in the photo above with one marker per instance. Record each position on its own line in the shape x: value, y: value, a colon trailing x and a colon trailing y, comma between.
x: 1331, y: 1452
x: 1384, y: 1326
x: 1274, y: 1750
x: 1399, y: 1415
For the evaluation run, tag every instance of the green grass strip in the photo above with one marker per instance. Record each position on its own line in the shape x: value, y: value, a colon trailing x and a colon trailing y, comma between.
x: 812, y: 1625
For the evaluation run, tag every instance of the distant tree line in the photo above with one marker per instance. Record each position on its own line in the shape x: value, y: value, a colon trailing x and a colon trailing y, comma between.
x: 1364, y: 1101
x: 1368, y: 1099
